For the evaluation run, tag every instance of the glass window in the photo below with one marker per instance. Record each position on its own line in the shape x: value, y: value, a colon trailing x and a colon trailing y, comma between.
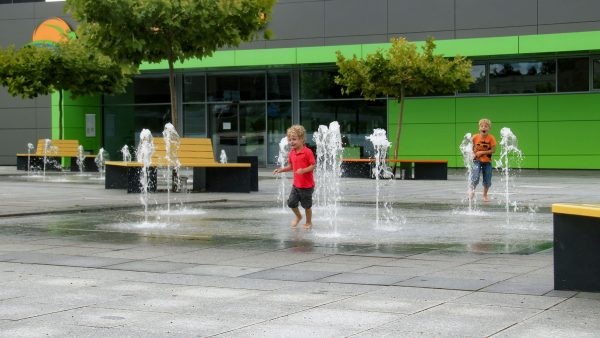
x: 357, y: 119
x: 523, y: 77
x: 279, y: 86
x: 238, y: 87
x: 479, y: 80
x: 194, y: 120
x: 193, y: 88
x: 573, y: 74
x: 596, y: 73
x: 123, y: 98
x: 151, y: 90
x: 279, y: 118
x: 319, y: 84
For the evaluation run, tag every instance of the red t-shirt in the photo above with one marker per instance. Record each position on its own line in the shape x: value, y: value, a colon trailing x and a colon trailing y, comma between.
x: 483, y: 144
x: 300, y: 160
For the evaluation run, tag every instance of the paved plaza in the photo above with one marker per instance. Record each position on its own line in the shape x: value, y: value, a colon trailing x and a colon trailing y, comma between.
x: 78, y: 260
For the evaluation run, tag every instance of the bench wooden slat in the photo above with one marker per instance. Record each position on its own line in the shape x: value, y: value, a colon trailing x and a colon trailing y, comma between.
x: 590, y: 210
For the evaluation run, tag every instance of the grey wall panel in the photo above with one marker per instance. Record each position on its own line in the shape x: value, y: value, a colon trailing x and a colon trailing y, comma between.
x: 351, y: 40
x: 9, y: 101
x: 495, y: 13
x: 504, y: 31
x: 298, y: 20
x: 16, y: 11
x: 14, y: 141
x: 355, y: 17
x: 443, y: 35
x: 569, y: 27
x: 43, y: 101
x: 562, y: 11
x: 257, y: 44
x: 43, y: 117
x: 17, y: 118
x: 16, y: 32
x: 418, y: 16
x: 289, y: 43
x: 48, y: 10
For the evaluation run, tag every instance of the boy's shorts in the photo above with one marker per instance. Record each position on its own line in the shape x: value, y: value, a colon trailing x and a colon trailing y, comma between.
x: 302, y: 195
x: 484, y: 168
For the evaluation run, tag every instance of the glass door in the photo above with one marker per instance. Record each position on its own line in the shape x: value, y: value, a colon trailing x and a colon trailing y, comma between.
x: 239, y: 129
x: 224, y: 129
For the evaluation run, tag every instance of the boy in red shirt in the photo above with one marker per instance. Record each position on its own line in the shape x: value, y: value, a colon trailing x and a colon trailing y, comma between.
x: 484, y: 145
x: 301, y: 161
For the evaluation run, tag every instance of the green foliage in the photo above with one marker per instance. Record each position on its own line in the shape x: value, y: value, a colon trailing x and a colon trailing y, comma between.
x: 403, y: 70
x: 134, y: 31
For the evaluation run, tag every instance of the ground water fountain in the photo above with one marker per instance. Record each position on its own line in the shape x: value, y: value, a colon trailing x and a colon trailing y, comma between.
x: 80, y: 159
x: 328, y: 171
x: 143, y: 154
x: 29, y: 150
x: 100, y: 160
x: 171, y: 138
x: 49, y: 150
x: 466, y: 149
x: 380, y: 170
x: 223, y: 156
x: 510, y: 155
x: 282, y: 161
x: 126, y: 154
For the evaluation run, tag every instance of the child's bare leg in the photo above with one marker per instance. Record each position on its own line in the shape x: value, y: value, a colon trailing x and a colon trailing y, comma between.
x: 485, y: 194
x: 298, y: 217
x: 308, y: 223
x: 471, y: 192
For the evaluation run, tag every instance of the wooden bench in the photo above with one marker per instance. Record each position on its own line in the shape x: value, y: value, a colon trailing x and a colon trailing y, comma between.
x: 195, y: 153
x: 576, y: 246
x: 422, y: 169
x: 59, y: 149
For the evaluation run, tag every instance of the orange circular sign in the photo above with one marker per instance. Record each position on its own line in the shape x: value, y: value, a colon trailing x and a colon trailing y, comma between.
x: 51, y: 31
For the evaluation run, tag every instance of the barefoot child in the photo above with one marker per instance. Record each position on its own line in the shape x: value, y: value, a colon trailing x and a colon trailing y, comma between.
x: 484, y: 145
x: 301, y: 161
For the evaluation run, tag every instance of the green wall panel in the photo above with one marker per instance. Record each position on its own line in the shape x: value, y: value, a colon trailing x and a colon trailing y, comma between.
x: 570, y: 162
x: 507, y: 45
x: 325, y: 54
x: 496, y: 108
x: 569, y: 138
x: 74, y: 111
x: 424, y: 140
x: 257, y: 57
x: 562, y: 42
x: 424, y: 111
x: 569, y: 107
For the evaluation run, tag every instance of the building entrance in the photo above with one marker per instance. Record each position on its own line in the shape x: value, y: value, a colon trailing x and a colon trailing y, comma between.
x: 239, y: 129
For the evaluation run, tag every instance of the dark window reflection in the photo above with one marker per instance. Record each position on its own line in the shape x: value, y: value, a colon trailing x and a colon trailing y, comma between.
x: 193, y: 88
x: 279, y: 86
x: 194, y: 120
x: 319, y: 84
x: 479, y: 80
x: 238, y: 87
x: 573, y: 75
x: 151, y: 90
x: 279, y: 118
x: 523, y: 77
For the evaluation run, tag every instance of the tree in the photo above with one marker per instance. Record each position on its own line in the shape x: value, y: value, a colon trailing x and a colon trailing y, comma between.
x: 400, y: 71
x: 133, y: 31
x: 70, y: 65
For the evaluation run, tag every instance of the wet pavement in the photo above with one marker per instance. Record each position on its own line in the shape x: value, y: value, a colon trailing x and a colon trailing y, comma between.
x: 79, y: 260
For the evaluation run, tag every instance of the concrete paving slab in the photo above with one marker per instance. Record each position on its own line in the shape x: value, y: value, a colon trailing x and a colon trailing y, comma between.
x: 555, y: 324
x: 150, y: 266
x: 510, y: 300
x: 579, y: 305
x: 365, y: 278
x: 290, y: 275
x: 218, y: 270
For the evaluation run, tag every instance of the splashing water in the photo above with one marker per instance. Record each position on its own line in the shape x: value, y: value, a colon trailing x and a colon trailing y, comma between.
x: 381, y: 170
x: 466, y: 148
x: 49, y: 149
x: 282, y: 161
x: 509, y: 153
x: 223, y: 156
x: 143, y: 154
x: 80, y: 159
x: 29, y: 150
x: 171, y: 138
x: 126, y: 154
x: 100, y: 159
x: 328, y: 172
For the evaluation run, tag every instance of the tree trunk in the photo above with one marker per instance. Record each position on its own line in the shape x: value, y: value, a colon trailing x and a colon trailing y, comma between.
x: 397, y: 144
x: 173, y: 93
x: 60, y: 114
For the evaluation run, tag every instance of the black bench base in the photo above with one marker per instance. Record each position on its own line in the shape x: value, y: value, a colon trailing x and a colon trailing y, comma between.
x: 576, y: 253
x: 421, y: 170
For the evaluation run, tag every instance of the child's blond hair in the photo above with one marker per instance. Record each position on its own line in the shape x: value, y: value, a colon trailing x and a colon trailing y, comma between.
x: 296, y: 130
x: 486, y: 121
